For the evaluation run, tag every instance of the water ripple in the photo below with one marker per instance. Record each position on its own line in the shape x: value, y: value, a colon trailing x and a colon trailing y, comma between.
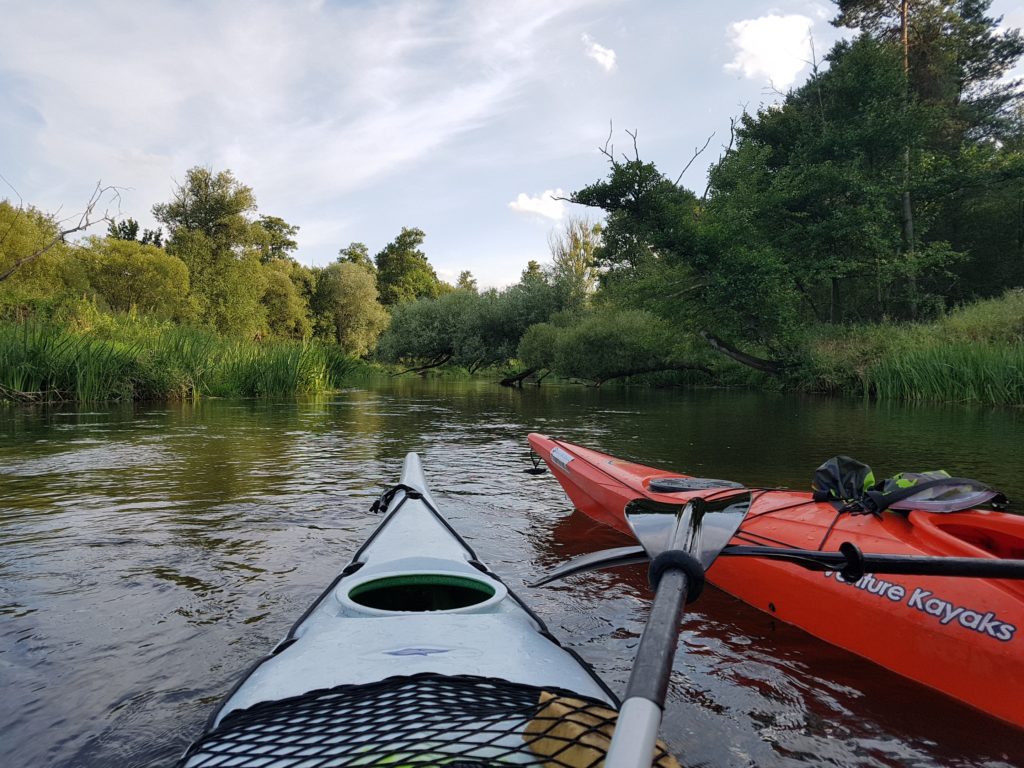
x: 149, y: 554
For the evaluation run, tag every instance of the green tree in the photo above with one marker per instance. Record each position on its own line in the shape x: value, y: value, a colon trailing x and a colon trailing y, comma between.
x: 153, y: 237
x: 403, y: 272
x: 347, y: 304
x: 218, y: 205
x: 211, y: 229
x: 658, y: 255
x: 573, y: 253
x: 467, y: 328
x: 954, y: 54
x: 983, y: 217
x: 277, y: 241
x: 13, y: 258
x: 813, y: 188
x: 35, y: 261
x: 607, y: 344
x: 226, y: 291
x: 954, y: 59
x: 357, y: 253
x: 285, y: 307
x: 532, y: 273
x: 304, y: 279
x: 126, y: 229
x: 427, y: 333
x: 466, y: 281
x: 129, y: 275
x: 537, y: 348
x: 649, y: 218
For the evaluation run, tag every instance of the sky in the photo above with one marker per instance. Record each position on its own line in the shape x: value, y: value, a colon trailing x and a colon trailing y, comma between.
x: 352, y: 119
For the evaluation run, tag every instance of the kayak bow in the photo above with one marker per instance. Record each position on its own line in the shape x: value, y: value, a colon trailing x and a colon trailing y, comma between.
x: 961, y: 636
x: 416, y: 654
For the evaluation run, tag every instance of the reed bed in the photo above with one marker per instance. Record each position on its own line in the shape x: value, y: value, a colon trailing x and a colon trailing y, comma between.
x: 129, y: 360
x: 268, y: 370
x: 957, y: 372
x: 973, y: 355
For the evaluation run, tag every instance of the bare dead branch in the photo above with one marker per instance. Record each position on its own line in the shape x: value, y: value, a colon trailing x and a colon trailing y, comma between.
x: 608, y: 150
x: 636, y: 150
x: 814, y: 54
x: 725, y: 151
x: 696, y: 154
x: 771, y: 89
x: 21, y: 202
x: 87, y: 218
x: 816, y: 79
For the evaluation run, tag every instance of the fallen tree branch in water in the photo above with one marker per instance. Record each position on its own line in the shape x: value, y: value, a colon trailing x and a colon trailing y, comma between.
x: 516, y: 380
x: 435, y: 363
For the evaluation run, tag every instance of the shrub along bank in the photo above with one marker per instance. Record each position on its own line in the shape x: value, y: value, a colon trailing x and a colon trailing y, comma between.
x: 973, y: 354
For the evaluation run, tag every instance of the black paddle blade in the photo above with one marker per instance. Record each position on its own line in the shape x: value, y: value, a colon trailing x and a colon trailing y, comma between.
x: 593, y: 561
x: 701, y: 528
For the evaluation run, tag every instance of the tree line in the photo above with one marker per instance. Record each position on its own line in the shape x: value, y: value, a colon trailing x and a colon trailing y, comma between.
x: 888, y: 188
x: 216, y: 263
x: 213, y: 263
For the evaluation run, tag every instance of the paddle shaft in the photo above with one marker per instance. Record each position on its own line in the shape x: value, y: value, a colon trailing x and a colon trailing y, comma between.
x: 915, y: 565
x: 637, y: 728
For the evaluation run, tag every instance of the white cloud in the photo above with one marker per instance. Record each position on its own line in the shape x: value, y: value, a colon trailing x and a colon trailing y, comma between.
x: 605, y: 57
x: 774, y: 47
x: 302, y: 102
x: 543, y: 204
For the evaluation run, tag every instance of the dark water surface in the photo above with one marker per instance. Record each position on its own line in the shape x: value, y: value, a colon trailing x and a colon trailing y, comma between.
x: 150, y: 553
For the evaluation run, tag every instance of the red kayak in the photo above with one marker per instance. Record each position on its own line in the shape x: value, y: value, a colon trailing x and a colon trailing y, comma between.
x: 961, y: 636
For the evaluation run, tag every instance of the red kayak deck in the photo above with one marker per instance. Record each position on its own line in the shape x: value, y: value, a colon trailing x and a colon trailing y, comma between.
x: 961, y: 636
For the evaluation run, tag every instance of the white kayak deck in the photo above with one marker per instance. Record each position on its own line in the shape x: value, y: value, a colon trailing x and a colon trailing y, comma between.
x: 342, y: 642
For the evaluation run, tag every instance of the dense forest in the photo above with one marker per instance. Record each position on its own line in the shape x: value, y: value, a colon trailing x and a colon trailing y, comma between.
x: 864, y: 234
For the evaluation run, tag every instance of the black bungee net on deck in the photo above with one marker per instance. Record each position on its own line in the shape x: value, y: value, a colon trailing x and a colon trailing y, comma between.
x: 420, y: 720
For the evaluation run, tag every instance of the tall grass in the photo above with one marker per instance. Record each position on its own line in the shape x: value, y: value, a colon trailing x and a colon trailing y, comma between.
x: 28, y: 356
x: 129, y: 360
x: 269, y: 370
x: 44, y: 362
x: 956, y: 372
x: 974, y: 354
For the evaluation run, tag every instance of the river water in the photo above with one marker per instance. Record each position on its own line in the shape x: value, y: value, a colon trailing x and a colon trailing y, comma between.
x: 149, y: 553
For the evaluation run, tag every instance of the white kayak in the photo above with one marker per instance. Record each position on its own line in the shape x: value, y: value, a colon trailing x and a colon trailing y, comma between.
x: 415, y: 655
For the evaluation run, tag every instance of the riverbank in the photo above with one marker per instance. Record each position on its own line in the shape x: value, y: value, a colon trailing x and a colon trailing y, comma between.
x: 122, y: 359
x: 975, y: 354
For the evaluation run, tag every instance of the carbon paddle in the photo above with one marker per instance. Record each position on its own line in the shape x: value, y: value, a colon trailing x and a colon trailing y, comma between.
x: 852, y: 564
